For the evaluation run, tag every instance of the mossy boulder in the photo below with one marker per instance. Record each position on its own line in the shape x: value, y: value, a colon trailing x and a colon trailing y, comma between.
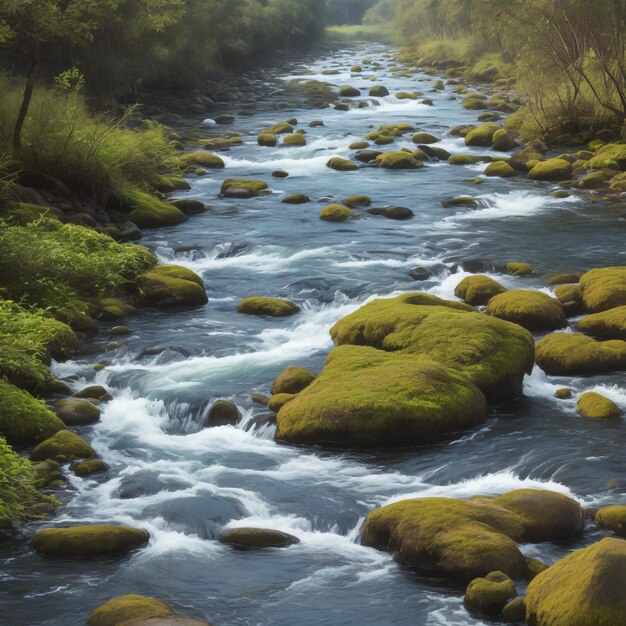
x: 62, y: 447
x: 242, y: 188
x: 611, y: 156
x: 148, y: 212
x: 514, y: 612
x: 545, y: 515
x: 490, y: 593
x: 168, y: 286
x: 366, y: 397
x: 552, y: 170
x: 251, y: 538
x: 604, y: 288
x: 610, y: 324
x: 203, y: 159
x: 347, y: 91
x: 268, y: 140
x: 24, y: 420
x: 482, y: 136
x: 570, y: 297
x: 456, y: 538
x: 295, y: 139
x: 293, y: 380
x: 223, y: 413
x: 393, y: 212
x: 520, y: 269
x: 425, y: 138
x: 575, y: 354
x: 563, y: 279
x: 398, y: 160
x: 503, y: 141
x: 378, y: 91
x: 87, y: 468
x: 85, y: 541
x: 114, y: 308
x: 595, y: 406
x: 281, y: 128
x: 273, y: 307
x: 586, y: 588
x: 336, y: 213
x: 478, y: 290
x: 77, y: 412
x: 612, y: 518
x: 97, y: 392
x: 342, y: 165
x: 474, y: 104
x: 278, y: 401
x: 130, y: 609
x: 533, y: 310
x: 467, y: 159
x: 296, y: 198
x: 358, y: 145
x: 500, y: 169
x: 358, y: 200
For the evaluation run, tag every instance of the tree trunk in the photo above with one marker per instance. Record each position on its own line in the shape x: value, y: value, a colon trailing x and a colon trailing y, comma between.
x: 31, y: 78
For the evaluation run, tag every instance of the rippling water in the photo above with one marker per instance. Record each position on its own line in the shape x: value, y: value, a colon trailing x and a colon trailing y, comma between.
x: 186, y: 484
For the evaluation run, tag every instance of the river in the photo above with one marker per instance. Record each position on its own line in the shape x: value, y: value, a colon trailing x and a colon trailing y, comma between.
x: 186, y: 484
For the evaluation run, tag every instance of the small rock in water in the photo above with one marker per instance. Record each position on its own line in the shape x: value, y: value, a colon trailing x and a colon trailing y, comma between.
x: 223, y: 413
x: 208, y: 122
x: 261, y: 421
x: 280, y: 174
x: 420, y: 273
x: 250, y: 538
x: 393, y: 213
x: 259, y: 398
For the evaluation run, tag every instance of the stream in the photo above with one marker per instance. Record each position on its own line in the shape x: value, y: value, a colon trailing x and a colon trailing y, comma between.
x: 185, y: 483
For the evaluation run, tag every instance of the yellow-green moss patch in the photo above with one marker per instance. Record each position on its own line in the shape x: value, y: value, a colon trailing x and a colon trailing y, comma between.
x: 203, y: 159
x: 490, y: 593
x: 478, y: 290
x: 531, y: 309
x: 595, y: 406
x: 610, y: 324
x: 336, y: 213
x: 64, y: 446
x: 551, y: 170
x: 168, y: 286
x: 612, y: 518
x: 128, y: 609
x: 274, y: 307
x: 293, y: 380
x: 604, y: 288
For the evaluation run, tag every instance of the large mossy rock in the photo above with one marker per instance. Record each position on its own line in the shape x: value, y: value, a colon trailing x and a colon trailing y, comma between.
x: 492, y: 354
x: 366, y: 397
x: 168, y: 286
x: 575, y: 354
x: 124, y: 609
x: 478, y: 290
x: 552, y: 170
x: 545, y: 515
x: 293, y: 380
x: 398, y: 160
x: 25, y: 421
x: 242, y: 188
x: 585, y: 588
x: 604, y: 288
x: 482, y: 136
x: 250, y: 538
x: 273, y: 307
x: 490, y: 593
x: 77, y: 412
x: 610, y: 324
x: 84, y: 541
x: 336, y: 213
x: 595, y: 406
x: 500, y: 169
x: 456, y: 538
x: 203, y: 159
x: 64, y: 446
x: 533, y: 310
x: 150, y: 212
x: 342, y: 165
x: 612, y: 518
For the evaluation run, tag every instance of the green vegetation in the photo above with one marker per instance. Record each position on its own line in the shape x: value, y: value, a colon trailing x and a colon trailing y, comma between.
x: 612, y: 518
x: 604, y: 288
x: 361, y: 32
x: 478, y: 290
x: 130, y: 608
x: 293, y: 380
x: 531, y: 309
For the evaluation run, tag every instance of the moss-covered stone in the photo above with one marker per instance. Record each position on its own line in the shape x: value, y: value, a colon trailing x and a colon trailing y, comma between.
x: 223, y: 413
x: 127, y: 609
x: 492, y: 354
x: 295, y: 139
x: 278, y: 401
x: 612, y: 156
x: 77, y: 412
x: 63, y: 446
x: 378, y: 91
x: 610, y: 324
x: 586, y: 588
x: 569, y: 294
x: 336, y: 213
x: 612, y: 518
x: 203, y: 159
x: 114, y: 308
x: 358, y: 145
x: 604, y: 288
x: 562, y: 279
x: 366, y: 397
x: 168, y: 286
x: 478, y: 290
x: 575, y: 354
x: 358, y: 200
x: 398, y: 160
x: 342, y: 165
x: 545, y: 515
x: 514, y: 612
x: 533, y: 310
x: 424, y: 138
x: 268, y: 140
x: 490, y: 593
x: 149, y: 212
x: 251, y: 538
x: 563, y: 393
x: 296, y: 198
x: 24, y: 420
x: 453, y: 537
x: 535, y: 567
x: 501, y: 169
x: 482, y: 136
x: 552, y: 170
x: 274, y: 307
x: 595, y: 406
x: 474, y: 104
x: 503, y: 141
x: 281, y: 128
x: 87, y: 468
x: 467, y: 159
x: 242, y: 188
x: 520, y: 269
x: 347, y: 91
x: 293, y: 380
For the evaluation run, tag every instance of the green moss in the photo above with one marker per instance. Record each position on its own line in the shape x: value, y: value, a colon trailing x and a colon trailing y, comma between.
x: 149, y: 212
x: 253, y: 187
x: 503, y: 141
x: 64, y: 446
x: 520, y: 269
x: 296, y: 198
x: 453, y: 537
x: 551, y: 170
x: 474, y: 104
x: 490, y: 593
x: 222, y: 143
x: 342, y: 165
x: 594, y: 406
x: 77, y: 412
x: 293, y: 380
x: 347, y: 91
x: 612, y: 518
x: 281, y: 128
x: 114, y: 308
x: 202, y: 158
x: 278, y: 401
x: 268, y: 140
x: 478, y: 290
x: 358, y: 200
x: 273, y: 307
x: 168, y: 183
x: 92, y: 466
x: 467, y: 159
x: 482, y: 136
x: 531, y: 309
x: 501, y: 169
x: 609, y: 156
x: 424, y: 138
x: 545, y: 515
x: 81, y: 541
x: 398, y: 160
x: 24, y: 420
x: 535, y: 567
x: 569, y: 293
x: 584, y: 588
x: 366, y: 397
x: 130, y: 608
x: 609, y: 324
x: 378, y: 91
x: 604, y: 288
x: 408, y: 95
x: 295, y: 139
x: 575, y: 354
x: 21, y: 213
x: 358, y: 145
x: 168, y: 286
x: 593, y: 180
x: 336, y: 213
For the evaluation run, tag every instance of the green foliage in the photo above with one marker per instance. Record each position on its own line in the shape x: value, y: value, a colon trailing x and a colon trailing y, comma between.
x: 7, y: 176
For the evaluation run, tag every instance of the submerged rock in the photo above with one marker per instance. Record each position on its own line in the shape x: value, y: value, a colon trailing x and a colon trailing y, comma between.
x: 92, y: 466
x: 274, y: 307
x: 420, y: 273
x: 250, y: 538
x: 296, y: 198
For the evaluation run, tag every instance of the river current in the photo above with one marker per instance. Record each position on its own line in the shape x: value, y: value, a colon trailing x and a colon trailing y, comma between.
x: 186, y: 484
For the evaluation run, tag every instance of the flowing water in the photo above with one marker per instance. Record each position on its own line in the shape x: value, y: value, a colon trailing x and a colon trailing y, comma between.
x: 186, y: 484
